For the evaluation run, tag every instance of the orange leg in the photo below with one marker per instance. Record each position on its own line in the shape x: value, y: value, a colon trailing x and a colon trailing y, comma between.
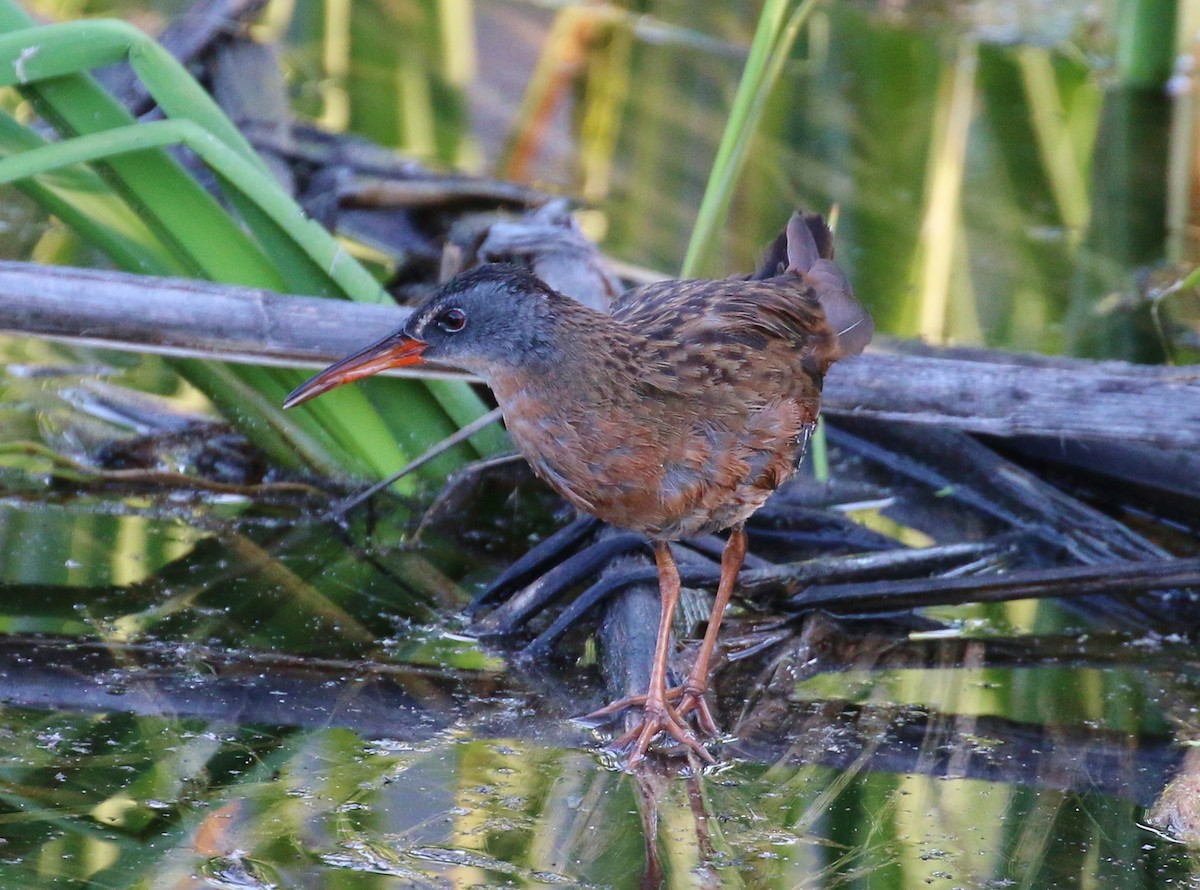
x: 658, y: 714
x: 696, y: 684
x: 690, y: 695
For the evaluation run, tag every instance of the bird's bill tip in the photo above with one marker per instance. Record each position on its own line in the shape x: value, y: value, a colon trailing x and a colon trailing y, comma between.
x: 397, y: 351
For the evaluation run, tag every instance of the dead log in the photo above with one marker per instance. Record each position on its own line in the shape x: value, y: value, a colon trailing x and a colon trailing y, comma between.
x: 1007, y: 396
x: 988, y: 392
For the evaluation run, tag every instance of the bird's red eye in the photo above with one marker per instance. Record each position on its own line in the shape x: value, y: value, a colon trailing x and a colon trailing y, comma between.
x: 452, y: 321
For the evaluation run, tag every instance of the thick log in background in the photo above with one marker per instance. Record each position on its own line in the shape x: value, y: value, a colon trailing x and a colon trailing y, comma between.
x: 976, y: 391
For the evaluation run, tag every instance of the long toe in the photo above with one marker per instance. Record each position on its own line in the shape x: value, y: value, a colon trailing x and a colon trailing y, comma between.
x: 696, y: 704
x: 600, y: 715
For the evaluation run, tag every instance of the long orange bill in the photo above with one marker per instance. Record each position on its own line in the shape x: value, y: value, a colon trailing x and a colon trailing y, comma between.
x: 396, y: 351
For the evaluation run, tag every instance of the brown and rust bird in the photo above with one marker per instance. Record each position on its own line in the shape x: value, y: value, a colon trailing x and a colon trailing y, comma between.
x: 676, y: 415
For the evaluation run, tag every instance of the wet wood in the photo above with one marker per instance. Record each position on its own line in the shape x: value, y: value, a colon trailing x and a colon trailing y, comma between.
x: 775, y: 581
x: 1046, y: 525
x: 555, y: 582
x: 1005, y: 395
x: 1070, y: 581
x: 536, y: 561
x: 1009, y: 496
x: 992, y: 392
x: 626, y: 636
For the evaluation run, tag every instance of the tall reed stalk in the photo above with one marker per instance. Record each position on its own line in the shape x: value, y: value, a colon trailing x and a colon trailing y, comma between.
x: 773, y: 40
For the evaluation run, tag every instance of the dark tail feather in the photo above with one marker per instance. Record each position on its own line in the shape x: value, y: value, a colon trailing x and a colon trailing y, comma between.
x: 846, y: 316
x: 805, y: 240
x: 810, y: 254
x: 805, y: 247
x: 808, y: 240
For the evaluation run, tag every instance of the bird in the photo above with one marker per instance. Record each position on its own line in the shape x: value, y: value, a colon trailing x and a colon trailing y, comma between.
x: 675, y: 414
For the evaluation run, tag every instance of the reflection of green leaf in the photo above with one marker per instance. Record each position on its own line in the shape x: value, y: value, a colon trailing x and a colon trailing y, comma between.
x: 435, y: 648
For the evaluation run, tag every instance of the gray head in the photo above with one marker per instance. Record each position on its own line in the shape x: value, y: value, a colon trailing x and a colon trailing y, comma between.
x: 491, y: 319
x: 498, y: 315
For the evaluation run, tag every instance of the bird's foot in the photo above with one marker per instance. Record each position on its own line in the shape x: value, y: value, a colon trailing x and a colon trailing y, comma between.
x: 665, y: 717
x: 659, y: 717
x: 686, y: 698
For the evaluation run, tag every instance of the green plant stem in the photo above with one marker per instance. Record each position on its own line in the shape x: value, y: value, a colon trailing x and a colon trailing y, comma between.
x: 71, y: 47
x: 80, y: 198
x: 186, y: 219
x: 1145, y: 41
x: 773, y: 41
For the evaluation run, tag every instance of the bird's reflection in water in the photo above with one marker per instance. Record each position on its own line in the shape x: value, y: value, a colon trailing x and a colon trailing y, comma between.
x: 653, y: 780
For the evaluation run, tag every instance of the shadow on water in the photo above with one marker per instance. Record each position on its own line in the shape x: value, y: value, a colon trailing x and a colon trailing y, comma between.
x: 217, y: 688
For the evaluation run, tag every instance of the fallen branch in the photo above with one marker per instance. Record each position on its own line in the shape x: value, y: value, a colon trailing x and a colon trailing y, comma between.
x: 987, y: 392
x: 1007, y: 396
x: 1066, y: 581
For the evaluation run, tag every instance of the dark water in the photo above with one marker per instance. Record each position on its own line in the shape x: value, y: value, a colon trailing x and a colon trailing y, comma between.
x: 242, y: 696
x: 218, y: 689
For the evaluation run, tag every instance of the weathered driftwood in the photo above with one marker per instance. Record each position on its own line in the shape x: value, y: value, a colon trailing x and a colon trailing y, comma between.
x: 184, y: 317
x: 988, y: 393
x: 1005, y: 397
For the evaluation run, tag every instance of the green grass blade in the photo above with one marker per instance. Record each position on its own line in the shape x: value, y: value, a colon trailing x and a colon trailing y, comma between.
x: 187, y: 218
x: 772, y: 41
x: 309, y: 258
x: 66, y: 49
x: 82, y: 200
